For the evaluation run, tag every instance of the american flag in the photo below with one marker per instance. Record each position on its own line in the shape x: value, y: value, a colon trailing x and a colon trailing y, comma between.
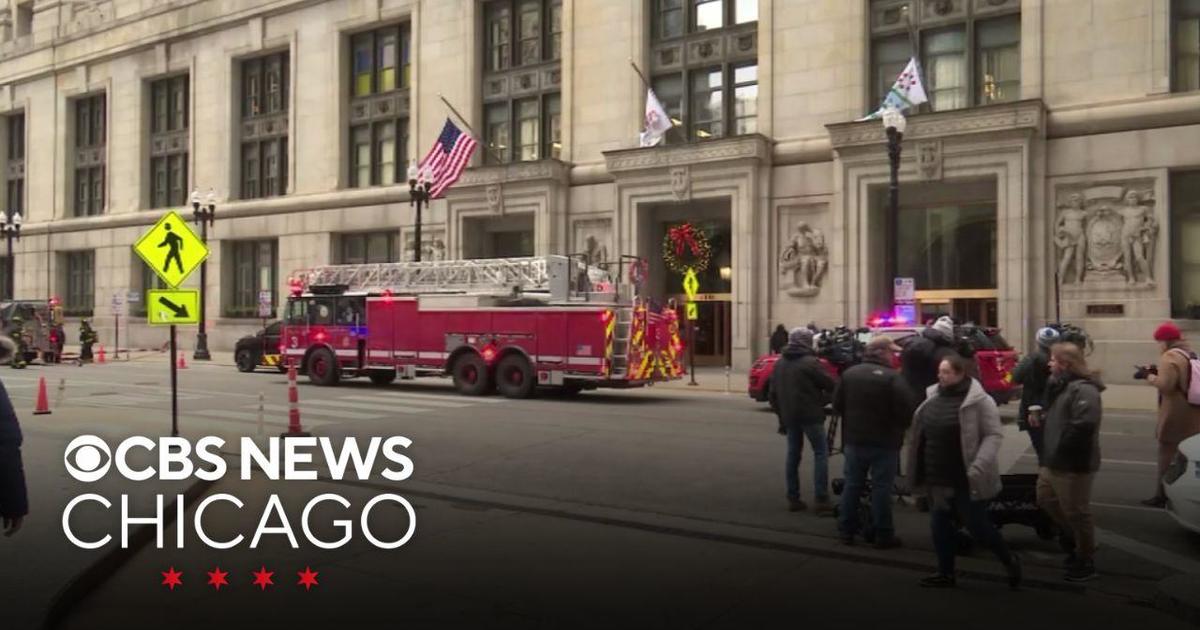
x: 447, y: 158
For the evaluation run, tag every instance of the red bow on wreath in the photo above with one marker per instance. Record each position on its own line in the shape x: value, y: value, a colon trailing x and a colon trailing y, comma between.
x: 684, y: 236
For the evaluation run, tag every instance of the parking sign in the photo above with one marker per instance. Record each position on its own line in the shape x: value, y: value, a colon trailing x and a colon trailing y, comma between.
x: 264, y: 304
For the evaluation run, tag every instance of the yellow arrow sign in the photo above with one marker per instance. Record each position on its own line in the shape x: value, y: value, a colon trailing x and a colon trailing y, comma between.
x: 691, y: 284
x: 171, y: 249
x: 692, y: 311
x: 173, y: 306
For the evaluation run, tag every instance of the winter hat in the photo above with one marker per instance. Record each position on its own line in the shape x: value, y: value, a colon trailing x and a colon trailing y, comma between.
x: 800, y: 336
x: 1167, y: 332
x: 945, y: 326
x: 1047, y: 337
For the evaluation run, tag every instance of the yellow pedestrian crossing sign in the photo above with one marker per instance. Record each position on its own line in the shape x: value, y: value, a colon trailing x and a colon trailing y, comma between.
x: 692, y: 310
x: 171, y: 249
x: 173, y: 306
x: 691, y: 283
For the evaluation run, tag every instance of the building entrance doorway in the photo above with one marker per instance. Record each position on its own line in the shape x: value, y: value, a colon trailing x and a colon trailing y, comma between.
x: 944, y: 238
x: 713, y: 343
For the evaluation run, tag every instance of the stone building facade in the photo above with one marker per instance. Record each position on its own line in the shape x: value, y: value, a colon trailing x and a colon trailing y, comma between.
x: 1062, y: 140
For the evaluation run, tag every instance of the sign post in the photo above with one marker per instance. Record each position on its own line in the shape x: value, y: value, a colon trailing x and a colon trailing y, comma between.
x: 173, y: 251
x: 117, y: 308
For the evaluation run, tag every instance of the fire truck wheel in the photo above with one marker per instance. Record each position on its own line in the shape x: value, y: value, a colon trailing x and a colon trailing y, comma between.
x: 245, y: 360
x: 382, y: 377
x: 323, y: 367
x: 514, y: 377
x: 471, y: 375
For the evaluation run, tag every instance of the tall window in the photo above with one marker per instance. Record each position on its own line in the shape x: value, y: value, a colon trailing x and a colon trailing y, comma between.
x: 251, y: 269
x: 144, y: 280
x: 381, y: 66
x: 79, y: 282
x: 14, y: 167
x: 521, y: 80
x: 1185, y: 233
x: 705, y: 63
x: 1185, y: 40
x: 970, y: 52
x: 169, y: 141
x: 367, y: 247
x: 89, y: 155
x: 265, y: 91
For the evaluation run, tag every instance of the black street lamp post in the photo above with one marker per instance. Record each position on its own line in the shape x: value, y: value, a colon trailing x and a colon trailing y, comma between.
x: 418, y: 194
x: 12, y: 231
x: 894, y: 124
x: 203, y: 215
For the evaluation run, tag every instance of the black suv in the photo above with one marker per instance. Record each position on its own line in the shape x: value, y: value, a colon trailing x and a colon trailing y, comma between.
x: 250, y: 352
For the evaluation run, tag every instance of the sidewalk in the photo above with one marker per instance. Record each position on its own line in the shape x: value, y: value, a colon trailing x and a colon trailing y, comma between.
x: 716, y: 379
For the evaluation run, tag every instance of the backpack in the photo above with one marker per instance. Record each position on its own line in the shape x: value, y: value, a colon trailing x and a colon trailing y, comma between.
x: 1193, y: 388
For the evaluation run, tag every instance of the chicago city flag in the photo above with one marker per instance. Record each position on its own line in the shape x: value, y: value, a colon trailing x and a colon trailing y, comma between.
x: 905, y: 93
x: 657, y: 121
x: 447, y: 158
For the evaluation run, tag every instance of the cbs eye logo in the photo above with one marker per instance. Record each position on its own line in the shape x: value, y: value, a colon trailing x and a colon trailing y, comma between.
x: 87, y: 458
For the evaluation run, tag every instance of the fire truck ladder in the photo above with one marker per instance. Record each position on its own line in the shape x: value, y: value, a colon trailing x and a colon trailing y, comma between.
x: 620, y: 356
x: 554, y: 275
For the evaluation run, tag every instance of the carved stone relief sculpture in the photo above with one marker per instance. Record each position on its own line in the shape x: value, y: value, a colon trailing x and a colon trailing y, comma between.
x: 592, y: 239
x: 805, y: 260
x: 1107, y: 233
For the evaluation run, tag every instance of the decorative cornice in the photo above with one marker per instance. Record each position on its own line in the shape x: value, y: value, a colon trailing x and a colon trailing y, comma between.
x: 1027, y: 115
x: 752, y: 146
x: 542, y: 170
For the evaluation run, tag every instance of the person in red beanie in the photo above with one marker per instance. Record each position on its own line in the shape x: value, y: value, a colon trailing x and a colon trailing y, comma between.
x: 1177, y: 418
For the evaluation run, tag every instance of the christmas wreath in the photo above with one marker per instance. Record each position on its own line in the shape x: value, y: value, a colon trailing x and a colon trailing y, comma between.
x: 686, y: 247
x: 638, y: 270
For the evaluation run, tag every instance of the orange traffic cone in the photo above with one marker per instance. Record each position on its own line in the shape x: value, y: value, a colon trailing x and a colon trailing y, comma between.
x: 100, y: 355
x: 182, y: 365
x: 43, y: 402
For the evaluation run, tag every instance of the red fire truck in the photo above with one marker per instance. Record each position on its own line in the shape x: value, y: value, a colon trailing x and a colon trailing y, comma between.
x: 508, y: 324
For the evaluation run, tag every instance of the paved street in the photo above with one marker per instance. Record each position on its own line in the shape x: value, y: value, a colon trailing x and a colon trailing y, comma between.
x: 550, y: 510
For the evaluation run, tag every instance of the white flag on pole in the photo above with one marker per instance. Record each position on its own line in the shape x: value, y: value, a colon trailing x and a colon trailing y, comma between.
x: 657, y: 121
x: 905, y: 93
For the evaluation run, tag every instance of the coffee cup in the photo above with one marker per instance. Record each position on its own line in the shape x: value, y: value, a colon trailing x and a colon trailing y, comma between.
x: 1035, y: 413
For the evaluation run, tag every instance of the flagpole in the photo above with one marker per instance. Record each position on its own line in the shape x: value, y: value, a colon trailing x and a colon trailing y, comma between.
x: 471, y: 130
x: 639, y: 73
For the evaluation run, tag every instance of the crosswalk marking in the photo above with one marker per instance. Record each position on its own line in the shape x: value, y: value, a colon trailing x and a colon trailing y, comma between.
x: 403, y: 394
x: 305, y: 411
x: 392, y: 408
x: 249, y: 417
x: 401, y: 399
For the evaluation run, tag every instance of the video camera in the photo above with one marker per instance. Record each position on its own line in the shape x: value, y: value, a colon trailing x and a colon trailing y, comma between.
x: 1144, y: 371
x: 841, y: 346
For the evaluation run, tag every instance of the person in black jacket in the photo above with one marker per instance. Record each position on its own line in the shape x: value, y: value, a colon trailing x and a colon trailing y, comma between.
x: 876, y: 408
x: 14, y: 501
x: 779, y: 339
x: 1072, y: 454
x: 922, y: 356
x: 1033, y: 373
x: 799, y: 389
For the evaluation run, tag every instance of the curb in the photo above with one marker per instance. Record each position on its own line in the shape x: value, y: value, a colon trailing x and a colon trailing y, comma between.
x: 1179, y: 595
x: 95, y: 574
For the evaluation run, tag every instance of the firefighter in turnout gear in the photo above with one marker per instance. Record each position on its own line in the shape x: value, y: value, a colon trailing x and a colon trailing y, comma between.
x: 87, y: 337
x: 17, y: 332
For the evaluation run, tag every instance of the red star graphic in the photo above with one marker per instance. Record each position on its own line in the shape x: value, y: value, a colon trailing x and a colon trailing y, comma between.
x: 308, y: 578
x: 262, y: 578
x: 171, y: 578
x: 216, y: 578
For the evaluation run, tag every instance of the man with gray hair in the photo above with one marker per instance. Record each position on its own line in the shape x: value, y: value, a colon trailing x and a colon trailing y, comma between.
x: 876, y: 406
x: 800, y: 387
